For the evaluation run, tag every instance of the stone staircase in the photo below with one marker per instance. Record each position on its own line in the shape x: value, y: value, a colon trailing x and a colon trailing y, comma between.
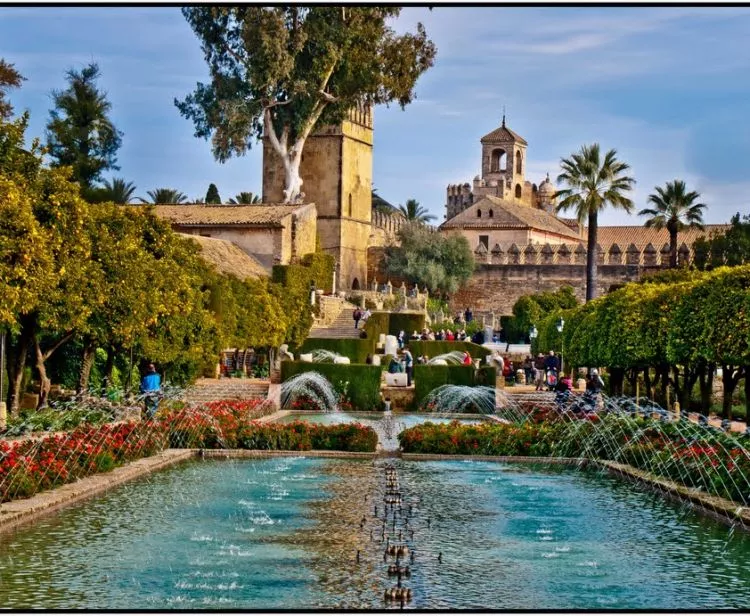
x: 206, y: 390
x: 342, y: 326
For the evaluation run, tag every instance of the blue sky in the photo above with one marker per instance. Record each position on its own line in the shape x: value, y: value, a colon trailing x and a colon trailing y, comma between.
x: 667, y: 87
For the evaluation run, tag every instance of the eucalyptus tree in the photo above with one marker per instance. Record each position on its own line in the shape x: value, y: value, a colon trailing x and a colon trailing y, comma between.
x: 674, y: 209
x: 280, y: 71
x: 592, y: 183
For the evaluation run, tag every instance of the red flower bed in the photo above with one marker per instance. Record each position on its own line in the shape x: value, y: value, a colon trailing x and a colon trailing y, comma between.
x: 33, y: 465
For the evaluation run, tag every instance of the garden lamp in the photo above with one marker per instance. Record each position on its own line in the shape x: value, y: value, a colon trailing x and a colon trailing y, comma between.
x: 560, y: 327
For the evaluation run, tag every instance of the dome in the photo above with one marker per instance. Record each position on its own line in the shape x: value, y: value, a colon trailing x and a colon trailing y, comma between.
x: 546, y: 188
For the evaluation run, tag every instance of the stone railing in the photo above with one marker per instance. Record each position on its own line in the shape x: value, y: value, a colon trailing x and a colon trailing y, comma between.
x: 401, y: 298
x: 575, y: 254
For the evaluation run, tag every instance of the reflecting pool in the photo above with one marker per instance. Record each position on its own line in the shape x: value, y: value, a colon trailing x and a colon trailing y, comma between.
x: 284, y: 533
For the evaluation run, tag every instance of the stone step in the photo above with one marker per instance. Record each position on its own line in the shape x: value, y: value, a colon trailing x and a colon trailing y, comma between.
x: 207, y: 390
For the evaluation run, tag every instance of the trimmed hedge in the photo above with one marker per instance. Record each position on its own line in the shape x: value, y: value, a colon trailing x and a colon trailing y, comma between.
x: 409, y: 322
x: 486, y: 375
x: 361, y: 383
x: 433, y: 348
x: 356, y: 349
x: 321, y: 267
x: 427, y: 378
x: 393, y: 322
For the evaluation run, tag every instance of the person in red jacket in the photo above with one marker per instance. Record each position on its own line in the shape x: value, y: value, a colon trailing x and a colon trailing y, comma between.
x: 467, y: 359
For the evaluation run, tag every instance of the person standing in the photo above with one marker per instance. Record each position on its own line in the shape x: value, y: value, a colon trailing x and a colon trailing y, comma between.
x: 468, y: 315
x: 151, y: 391
x: 409, y: 365
x: 356, y: 315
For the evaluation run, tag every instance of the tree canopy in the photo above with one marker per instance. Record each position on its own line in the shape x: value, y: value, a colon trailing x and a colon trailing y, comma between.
x: 414, y: 212
x: 212, y: 195
x: 442, y: 263
x: 80, y: 133
x: 593, y: 183
x: 281, y: 71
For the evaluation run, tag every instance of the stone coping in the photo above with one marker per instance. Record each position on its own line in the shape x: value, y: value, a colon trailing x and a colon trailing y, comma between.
x: 15, y: 514
x: 374, y: 414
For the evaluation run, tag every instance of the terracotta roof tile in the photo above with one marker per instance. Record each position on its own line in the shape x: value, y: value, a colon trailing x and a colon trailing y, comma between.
x: 228, y: 258
x: 642, y: 236
x: 503, y: 135
x: 225, y: 214
x: 508, y: 215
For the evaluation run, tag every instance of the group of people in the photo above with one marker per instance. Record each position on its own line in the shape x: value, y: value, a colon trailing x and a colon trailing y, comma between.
x: 361, y: 315
x: 588, y: 403
x: 427, y: 334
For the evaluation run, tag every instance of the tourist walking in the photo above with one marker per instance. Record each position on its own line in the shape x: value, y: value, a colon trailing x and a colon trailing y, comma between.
x: 356, y: 315
x: 151, y: 391
x: 409, y: 365
x: 528, y: 369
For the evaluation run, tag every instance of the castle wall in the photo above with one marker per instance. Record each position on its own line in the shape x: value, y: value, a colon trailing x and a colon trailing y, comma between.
x: 495, y: 288
x: 303, y: 232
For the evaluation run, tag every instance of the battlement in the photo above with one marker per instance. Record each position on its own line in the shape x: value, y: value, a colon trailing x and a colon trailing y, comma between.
x: 575, y: 254
x: 390, y: 223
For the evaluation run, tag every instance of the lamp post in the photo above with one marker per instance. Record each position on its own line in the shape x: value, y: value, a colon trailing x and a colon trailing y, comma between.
x: 533, y: 333
x: 560, y: 327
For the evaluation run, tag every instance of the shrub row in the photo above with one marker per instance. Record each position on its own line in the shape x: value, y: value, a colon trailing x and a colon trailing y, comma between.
x: 428, y: 377
x: 433, y: 348
x: 356, y: 384
x: 355, y: 349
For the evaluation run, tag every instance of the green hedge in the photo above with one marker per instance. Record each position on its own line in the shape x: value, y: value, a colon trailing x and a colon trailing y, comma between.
x: 486, y: 375
x: 321, y: 267
x: 355, y: 349
x: 406, y: 321
x: 427, y: 378
x: 393, y: 322
x: 433, y: 348
x: 361, y: 383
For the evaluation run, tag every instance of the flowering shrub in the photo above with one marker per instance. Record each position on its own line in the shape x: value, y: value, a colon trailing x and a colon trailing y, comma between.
x: 711, y: 461
x: 33, y: 465
x: 30, y: 466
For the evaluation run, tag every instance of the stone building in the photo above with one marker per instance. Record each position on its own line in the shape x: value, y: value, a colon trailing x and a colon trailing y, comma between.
x: 336, y: 171
x: 271, y: 234
x: 521, y: 247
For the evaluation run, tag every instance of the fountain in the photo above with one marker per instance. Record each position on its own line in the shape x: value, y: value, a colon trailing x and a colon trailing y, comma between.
x: 455, y: 358
x: 324, y: 356
x: 449, y: 399
x: 311, y: 386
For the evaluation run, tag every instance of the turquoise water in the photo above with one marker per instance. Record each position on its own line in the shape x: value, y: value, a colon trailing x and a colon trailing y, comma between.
x: 283, y: 534
x: 406, y: 420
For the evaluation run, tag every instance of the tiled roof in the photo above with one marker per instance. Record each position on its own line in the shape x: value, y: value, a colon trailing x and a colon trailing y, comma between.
x: 502, y: 135
x: 641, y: 236
x: 228, y: 258
x: 225, y: 214
x: 508, y: 215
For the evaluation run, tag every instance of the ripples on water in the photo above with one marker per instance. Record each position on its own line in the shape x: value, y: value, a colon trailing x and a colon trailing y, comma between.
x: 283, y: 533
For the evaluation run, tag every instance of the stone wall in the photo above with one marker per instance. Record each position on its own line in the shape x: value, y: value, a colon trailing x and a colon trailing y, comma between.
x: 495, y: 288
x: 265, y: 244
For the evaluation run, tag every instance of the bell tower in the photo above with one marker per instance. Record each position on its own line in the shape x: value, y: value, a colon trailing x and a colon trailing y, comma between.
x: 504, y: 161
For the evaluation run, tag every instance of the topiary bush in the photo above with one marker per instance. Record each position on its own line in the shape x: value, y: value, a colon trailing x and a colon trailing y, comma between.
x: 357, y: 384
x: 427, y: 378
x: 356, y: 349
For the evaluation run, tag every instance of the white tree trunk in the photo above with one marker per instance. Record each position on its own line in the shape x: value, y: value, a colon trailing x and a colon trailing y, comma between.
x: 292, y: 180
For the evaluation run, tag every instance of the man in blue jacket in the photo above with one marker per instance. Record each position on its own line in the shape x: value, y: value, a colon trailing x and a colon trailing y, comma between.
x: 151, y: 390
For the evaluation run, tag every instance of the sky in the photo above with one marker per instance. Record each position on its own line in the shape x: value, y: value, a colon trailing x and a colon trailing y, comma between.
x: 667, y: 88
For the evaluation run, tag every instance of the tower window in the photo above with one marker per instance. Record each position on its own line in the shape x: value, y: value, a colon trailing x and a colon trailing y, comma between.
x: 499, y: 161
x: 350, y: 204
x: 485, y: 239
x: 518, y: 191
x: 490, y: 214
x: 518, y: 162
x: 479, y: 213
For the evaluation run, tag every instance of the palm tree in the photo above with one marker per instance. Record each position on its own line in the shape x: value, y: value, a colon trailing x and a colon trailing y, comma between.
x: 165, y: 195
x: 245, y: 198
x: 415, y: 212
x: 592, y: 184
x: 118, y: 191
x: 676, y: 209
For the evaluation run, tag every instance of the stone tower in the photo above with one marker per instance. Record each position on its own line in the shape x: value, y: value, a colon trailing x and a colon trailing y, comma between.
x: 504, y: 162
x: 336, y: 171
